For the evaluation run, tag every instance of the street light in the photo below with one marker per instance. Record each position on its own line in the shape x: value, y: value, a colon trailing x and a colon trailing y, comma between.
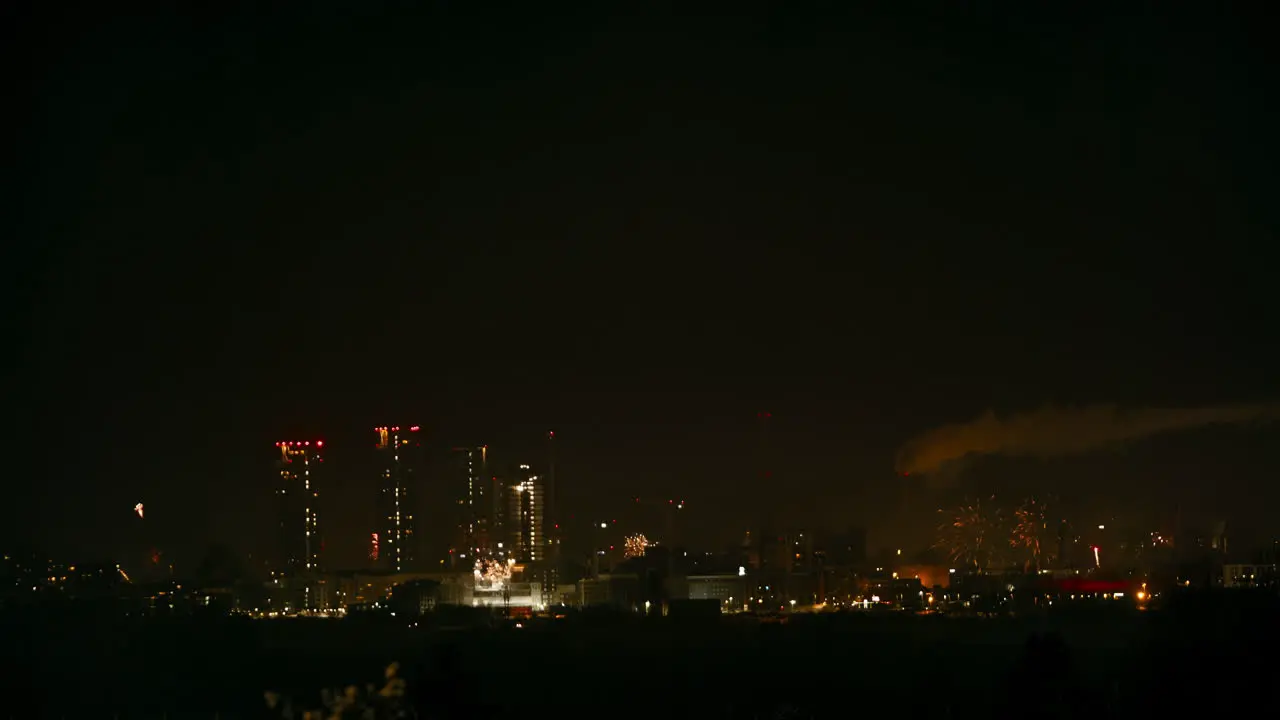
x: 793, y: 606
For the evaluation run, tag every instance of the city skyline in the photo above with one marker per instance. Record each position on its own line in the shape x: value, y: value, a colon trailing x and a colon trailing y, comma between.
x: 810, y: 353
x: 870, y: 225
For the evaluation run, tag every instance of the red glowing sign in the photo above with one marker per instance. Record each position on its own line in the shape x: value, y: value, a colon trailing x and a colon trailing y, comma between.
x: 1081, y: 585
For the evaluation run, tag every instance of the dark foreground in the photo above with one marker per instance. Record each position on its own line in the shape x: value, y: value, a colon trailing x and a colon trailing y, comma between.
x: 1205, y: 655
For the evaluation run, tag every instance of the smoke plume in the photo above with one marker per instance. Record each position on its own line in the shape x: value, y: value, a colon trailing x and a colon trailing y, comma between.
x: 1054, y: 432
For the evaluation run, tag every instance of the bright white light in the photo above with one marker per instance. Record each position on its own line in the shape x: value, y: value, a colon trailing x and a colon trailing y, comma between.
x: 742, y: 571
x: 138, y: 509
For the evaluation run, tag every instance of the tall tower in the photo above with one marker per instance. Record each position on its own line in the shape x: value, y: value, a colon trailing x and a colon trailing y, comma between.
x: 552, y: 507
x: 764, y: 450
x: 298, y: 527
x: 398, y: 453
x: 764, y: 463
x: 551, y: 576
x: 527, y: 516
x: 471, y: 487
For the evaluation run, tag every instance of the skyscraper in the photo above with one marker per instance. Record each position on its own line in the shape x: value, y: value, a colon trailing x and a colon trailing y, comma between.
x: 398, y: 455
x: 551, y: 504
x: 298, y: 528
x: 473, y: 508
x: 526, y: 516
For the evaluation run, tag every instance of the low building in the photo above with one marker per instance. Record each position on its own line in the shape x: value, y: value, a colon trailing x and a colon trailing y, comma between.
x: 615, y: 590
x: 1249, y: 576
x: 729, y: 589
x: 415, y: 597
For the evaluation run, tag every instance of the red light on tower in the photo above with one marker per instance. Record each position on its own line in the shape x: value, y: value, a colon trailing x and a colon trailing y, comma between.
x: 319, y: 443
x: 415, y: 428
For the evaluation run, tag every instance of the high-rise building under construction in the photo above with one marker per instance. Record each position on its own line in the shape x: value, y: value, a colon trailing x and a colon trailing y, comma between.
x: 526, y: 516
x: 298, y: 538
x: 399, y: 454
x: 473, y: 508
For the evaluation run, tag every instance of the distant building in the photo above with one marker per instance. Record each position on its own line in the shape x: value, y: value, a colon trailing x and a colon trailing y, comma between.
x: 398, y: 463
x: 361, y: 588
x: 1249, y: 576
x: 415, y: 597
x: 297, y: 519
x: 848, y: 549
x: 729, y: 589
x: 470, y: 485
x: 621, y: 591
x: 526, y: 516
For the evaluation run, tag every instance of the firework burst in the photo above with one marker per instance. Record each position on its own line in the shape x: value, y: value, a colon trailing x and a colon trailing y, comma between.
x: 1031, y: 534
x: 491, y: 574
x: 636, y: 546
x: 970, y: 533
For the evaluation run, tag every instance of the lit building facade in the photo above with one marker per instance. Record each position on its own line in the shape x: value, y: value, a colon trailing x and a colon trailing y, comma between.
x: 393, y: 547
x: 298, y: 520
x: 473, y: 506
x: 526, y: 516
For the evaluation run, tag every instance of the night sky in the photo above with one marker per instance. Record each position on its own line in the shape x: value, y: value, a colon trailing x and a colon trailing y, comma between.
x: 637, y: 229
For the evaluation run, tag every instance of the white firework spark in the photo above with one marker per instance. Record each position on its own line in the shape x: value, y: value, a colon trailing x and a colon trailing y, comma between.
x: 491, y: 574
x: 636, y: 546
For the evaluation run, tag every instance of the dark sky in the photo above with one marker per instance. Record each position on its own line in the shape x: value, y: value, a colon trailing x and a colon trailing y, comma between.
x: 638, y: 229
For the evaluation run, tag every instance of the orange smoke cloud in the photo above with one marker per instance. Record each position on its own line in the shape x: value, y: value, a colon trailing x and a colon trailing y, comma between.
x: 1054, y: 432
